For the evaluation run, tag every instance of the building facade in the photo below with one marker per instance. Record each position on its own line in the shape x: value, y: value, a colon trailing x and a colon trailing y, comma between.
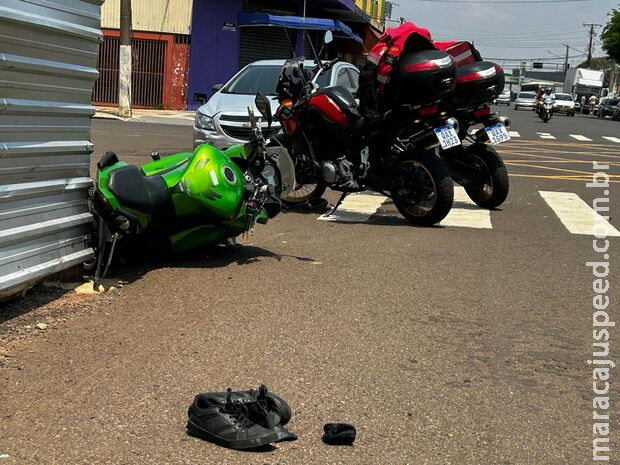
x: 182, y: 48
x: 161, y: 37
x: 228, y: 40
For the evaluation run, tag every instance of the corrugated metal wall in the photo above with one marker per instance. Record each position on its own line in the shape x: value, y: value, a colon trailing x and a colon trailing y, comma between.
x: 48, y: 59
x: 171, y: 16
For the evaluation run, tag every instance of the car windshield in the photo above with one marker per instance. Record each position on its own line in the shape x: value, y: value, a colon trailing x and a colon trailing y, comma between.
x: 254, y: 79
x: 527, y: 95
x: 261, y: 78
x: 566, y: 97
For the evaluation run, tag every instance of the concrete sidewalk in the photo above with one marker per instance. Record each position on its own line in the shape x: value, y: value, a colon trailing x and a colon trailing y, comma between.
x: 148, y: 116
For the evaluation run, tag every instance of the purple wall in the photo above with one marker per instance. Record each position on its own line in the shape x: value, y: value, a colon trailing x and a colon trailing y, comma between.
x: 214, y: 53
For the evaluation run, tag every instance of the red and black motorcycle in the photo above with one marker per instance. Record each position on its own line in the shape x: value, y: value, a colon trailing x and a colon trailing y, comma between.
x: 332, y: 145
x: 475, y: 164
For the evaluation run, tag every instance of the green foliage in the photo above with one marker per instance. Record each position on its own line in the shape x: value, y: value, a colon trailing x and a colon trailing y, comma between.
x: 598, y: 63
x: 611, y: 36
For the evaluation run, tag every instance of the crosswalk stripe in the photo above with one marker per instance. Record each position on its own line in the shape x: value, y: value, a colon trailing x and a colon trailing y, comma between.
x: 357, y: 208
x: 578, y: 137
x: 575, y: 214
x: 466, y: 214
x: 545, y: 135
x: 612, y: 139
x: 514, y: 134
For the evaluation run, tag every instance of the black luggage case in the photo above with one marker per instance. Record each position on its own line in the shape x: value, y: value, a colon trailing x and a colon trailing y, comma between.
x: 477, y: 84
x: 421, y: 78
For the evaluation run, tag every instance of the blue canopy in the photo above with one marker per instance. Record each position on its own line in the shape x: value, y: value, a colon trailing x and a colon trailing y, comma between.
x: 296, y: 22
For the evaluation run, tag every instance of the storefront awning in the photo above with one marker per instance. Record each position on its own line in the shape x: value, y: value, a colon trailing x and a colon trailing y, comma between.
x: 296, y: 22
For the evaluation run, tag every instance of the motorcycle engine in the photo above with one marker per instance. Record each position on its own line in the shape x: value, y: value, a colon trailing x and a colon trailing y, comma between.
x: 330, y: 172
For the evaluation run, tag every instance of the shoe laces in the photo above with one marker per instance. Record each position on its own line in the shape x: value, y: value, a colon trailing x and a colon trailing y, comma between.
x: 237, y: 413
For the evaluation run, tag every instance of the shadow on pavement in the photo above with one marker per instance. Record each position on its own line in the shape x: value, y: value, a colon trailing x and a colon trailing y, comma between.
x: 219, y: 256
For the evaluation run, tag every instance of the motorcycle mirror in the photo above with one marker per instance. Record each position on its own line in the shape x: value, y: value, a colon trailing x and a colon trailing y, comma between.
x: 329, y: 37
x: 264, y: 107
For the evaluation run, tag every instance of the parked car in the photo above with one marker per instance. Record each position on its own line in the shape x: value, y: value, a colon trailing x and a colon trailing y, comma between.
x: 616, y: 114
x: 503, y: 98
x: 564, y: 103
x: 223, y: 121
x: 526, y: 100
x: 606, y: 107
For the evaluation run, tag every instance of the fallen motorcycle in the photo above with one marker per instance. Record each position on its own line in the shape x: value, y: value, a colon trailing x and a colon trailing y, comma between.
x: 186, y: 201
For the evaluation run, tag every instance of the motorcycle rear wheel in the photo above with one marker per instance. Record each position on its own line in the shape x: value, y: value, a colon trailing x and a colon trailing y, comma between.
x: 430, y: 189
x: 489, y: 189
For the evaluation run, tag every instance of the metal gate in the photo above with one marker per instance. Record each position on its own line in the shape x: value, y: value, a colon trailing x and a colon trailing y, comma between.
x: 265, y: 43
x: 147, y: 76
x: 48, y: 53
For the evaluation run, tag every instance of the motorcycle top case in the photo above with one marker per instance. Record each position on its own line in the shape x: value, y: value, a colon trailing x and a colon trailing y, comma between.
x: 476, y: 84
x: 422, y: 77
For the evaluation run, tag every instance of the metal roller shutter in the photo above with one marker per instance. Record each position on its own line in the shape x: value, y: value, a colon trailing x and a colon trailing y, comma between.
x: 264, y: 43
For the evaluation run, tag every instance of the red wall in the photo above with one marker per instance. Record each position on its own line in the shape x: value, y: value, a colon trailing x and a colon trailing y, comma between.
x: 179, y: 77
x: 176, y: 67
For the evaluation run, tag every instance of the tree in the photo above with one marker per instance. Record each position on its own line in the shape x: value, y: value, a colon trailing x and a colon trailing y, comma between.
x: 611, y: 36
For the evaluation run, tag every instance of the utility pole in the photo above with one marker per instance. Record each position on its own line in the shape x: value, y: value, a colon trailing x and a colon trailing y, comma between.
x: 124, y: 62
x: 591, y: 33
x: 566, y: 59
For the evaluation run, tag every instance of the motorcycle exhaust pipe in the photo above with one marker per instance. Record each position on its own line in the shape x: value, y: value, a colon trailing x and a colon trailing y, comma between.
x: 505, y: 121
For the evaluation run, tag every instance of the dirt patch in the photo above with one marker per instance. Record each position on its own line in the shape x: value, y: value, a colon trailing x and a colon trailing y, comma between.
x: 42, y: 308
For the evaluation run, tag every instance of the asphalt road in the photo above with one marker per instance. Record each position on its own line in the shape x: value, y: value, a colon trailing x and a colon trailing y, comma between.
x: 446, y: 345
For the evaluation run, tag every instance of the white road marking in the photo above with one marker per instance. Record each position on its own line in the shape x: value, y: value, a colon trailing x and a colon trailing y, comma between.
x: 613, y: 139
x: 578, y: 137
x: 514, y: 134
x: 545, y: 135
x: 575, y: 214
x: 466, y: 214
x: 357, y: 208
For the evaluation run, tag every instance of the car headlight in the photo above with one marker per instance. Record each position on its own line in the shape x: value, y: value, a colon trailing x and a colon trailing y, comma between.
x: 204, y: 122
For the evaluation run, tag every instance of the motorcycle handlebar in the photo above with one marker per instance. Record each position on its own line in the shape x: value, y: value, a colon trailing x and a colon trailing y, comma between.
x: 331, y: 63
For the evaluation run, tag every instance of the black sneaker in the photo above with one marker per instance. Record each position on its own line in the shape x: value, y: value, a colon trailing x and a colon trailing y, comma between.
x: 226, y: 425
x: 270, y: 401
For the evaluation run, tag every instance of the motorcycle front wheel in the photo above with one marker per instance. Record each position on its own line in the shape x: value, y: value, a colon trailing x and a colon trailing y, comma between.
x: 427, y: 191
x: 489, y: 185
x: 309, y: 182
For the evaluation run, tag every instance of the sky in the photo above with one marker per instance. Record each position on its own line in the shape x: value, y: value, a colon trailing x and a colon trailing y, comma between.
x: 505, y: 29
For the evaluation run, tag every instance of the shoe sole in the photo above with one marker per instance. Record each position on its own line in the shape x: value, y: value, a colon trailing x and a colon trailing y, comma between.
x: 238, y: 444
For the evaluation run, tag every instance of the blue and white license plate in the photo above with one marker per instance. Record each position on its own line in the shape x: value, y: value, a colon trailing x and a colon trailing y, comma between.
x: 448, y: 137
x: 497, y: 134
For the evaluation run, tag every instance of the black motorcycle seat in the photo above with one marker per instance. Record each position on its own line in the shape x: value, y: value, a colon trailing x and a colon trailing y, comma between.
x: 344, y: 99
x: 133, y: 190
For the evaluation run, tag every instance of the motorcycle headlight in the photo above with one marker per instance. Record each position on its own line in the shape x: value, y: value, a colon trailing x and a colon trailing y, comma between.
x: 204, y: 122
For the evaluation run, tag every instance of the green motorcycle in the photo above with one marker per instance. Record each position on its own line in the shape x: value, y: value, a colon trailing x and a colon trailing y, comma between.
x: 186, y: 201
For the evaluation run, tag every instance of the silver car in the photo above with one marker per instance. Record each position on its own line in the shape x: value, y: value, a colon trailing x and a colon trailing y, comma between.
x: 526, y: 100
x: 503, y: 98
x: 223, y: 120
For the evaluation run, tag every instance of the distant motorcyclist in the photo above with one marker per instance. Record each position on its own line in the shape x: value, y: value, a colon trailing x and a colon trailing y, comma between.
x: 593, y: 101
x: 583, y: 103
x: 539, y: 97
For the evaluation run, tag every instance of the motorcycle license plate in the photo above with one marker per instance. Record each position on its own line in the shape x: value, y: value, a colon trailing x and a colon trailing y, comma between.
x: 448, y: 137
x: 497, y: 134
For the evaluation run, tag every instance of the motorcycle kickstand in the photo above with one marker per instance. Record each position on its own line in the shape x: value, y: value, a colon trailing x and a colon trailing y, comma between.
x: 340, y: 200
